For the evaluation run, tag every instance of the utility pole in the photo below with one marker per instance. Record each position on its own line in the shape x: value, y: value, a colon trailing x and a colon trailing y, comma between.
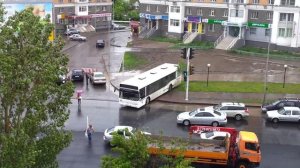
x: 188, y: 74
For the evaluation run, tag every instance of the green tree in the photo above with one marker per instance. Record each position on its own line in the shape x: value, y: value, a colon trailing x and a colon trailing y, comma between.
x: 124, y: 10
x: 33, y: 108
x: 133, y: 153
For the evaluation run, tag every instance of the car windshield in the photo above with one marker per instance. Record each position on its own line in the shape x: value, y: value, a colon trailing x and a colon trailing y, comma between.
x: 77, y: 71
x: 216, y: 107
x: 281, y: 111
x: 193, y: 112
x: 276, y: 102
x: 217, y: 113
x: 98, y: 75
x: 209, y: 134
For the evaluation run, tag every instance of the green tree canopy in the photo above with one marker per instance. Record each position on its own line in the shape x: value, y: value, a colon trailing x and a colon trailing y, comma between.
x: 124, y: 10
x: 33, y: 108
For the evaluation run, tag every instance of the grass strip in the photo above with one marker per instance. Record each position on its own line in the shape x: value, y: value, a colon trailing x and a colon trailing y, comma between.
x: 132, y: 61
x: 240, y: 87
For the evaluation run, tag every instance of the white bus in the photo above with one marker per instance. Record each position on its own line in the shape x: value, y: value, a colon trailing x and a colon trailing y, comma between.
x: 145, y: 87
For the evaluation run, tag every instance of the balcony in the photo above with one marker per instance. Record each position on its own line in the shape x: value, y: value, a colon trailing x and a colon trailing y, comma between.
x: 81, y: 1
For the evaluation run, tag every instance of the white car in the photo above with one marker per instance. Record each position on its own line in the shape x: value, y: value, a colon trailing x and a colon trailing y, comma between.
x: 291, y: 114
x: 77, y: 37
x: 237, y: 111
x: 125, y: 131
x: 202, y: 116
x: 97, y: 78
x: 216, y: 135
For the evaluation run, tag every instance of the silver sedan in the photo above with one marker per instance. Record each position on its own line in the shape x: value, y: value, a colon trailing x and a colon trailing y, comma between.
x: 202, y: 116
x: 291, y: 114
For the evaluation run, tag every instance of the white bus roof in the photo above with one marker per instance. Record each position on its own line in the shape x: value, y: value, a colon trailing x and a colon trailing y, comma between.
x: 152, y: 75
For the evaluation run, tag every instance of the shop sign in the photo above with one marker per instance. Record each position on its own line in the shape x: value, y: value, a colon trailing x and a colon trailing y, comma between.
x: 212, y: 21
x: 196, y: 19
x: 100, y: 15
x: 165, y: 17
x: 261, y: 25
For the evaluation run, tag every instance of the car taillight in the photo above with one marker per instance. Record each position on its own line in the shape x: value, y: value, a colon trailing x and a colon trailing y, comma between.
x: 247, y: 111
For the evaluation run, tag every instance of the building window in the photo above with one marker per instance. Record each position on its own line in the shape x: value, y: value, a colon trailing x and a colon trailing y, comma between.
x: 288, y: 2
x: 212, y: 12
x: 269, y: 15
x: 281, y: 32
x: 82, y: 8
x: 286, y: 17
x: 211, y: 27
x: 70, y: 1
x: 225, y: 13
x: 98, y: 0
x: 174, y: 22
x: 255, y: 1
x: 212, y: 0
x: 98, y: 8
x: 200, y: 0
x: 271, y: 2
x: 285, y: 32
x: 188, y: 11
x: 175, y: 9
x: 61, y: 1
x: 167, y: 10
x: 252, y: 31
x: 226, y: 1
x: 60, y: 10
x: 157, y: 8
x: 254, y: 15
x: 103, y: 8
x: 236, y: 13
x: 267, y: 32
x: 199, y: 11
x: 148, y: 8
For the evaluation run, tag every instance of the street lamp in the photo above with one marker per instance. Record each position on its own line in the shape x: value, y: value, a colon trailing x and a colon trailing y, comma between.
x: 285, y: 67
x: 208, y: 66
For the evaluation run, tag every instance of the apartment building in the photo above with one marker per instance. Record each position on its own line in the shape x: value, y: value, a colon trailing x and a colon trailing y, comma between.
x: 86, y: 15
x: 250, y: 22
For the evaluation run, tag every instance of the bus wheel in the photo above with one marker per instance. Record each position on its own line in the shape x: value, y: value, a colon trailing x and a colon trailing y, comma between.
x: 147, y: 100
x: 170, y: 88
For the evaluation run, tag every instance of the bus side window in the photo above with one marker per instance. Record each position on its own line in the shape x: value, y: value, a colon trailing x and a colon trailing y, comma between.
x: 142, y: 93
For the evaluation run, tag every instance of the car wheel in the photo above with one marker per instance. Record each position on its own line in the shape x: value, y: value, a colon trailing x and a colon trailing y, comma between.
x: 238, y: 117
x: 186, y: 123
x: 275, y: 120
x: 215, y: 124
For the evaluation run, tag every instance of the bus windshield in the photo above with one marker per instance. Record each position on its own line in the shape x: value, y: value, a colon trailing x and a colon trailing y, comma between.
x: 129, y: 94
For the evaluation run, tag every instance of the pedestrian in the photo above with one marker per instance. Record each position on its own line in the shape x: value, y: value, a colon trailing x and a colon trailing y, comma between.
x: 79, y: 92
x: 89, y: 132
x: 87, y: 78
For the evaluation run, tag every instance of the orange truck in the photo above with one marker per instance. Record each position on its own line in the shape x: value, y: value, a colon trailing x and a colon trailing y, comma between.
x: 239, y: 150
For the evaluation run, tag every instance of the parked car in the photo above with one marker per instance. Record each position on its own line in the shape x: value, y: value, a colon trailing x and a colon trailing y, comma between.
x: 71, y: 32
x: 62, y: 79
x: 77, y: 37
x: 278, y: 104
x: 202, y: 116
x: 236, y: 110
x: 216, y: 135
x: 117, y: 26
x: 100, y: 43
x: 125, y: 131
x: 97, y: 78
x: 77, y: 75
x: 291, y: 114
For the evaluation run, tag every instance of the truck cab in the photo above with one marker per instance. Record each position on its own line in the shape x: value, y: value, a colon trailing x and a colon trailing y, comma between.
x: 248, y: 149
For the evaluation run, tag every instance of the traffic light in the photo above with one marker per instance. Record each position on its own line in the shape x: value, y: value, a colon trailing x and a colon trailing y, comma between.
x: 185, y: 75
x: 192, y: 69
x: 183, y: 52
x: 192, y: 53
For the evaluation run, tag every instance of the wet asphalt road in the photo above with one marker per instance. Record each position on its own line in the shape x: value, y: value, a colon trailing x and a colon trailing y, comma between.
x: 279, y: 143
